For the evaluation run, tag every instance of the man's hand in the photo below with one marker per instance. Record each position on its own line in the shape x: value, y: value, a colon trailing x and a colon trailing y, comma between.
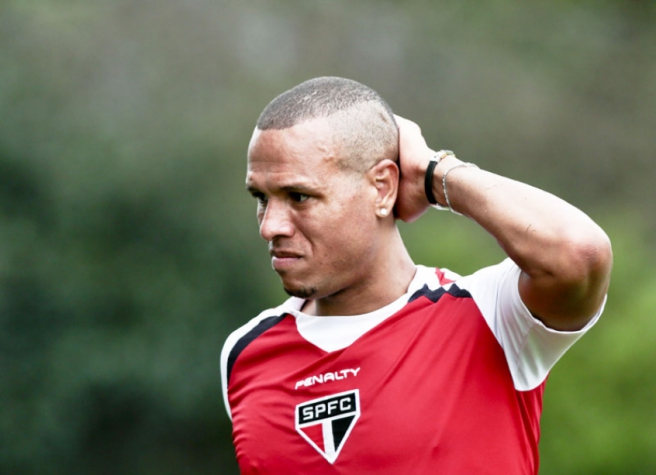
x: 414, y: 156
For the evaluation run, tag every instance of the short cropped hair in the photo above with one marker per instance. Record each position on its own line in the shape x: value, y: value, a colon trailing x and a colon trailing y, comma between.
x: 363, y: 122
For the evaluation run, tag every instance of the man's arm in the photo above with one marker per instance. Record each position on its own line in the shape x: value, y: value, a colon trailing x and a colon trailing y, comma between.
x: 564, y: 256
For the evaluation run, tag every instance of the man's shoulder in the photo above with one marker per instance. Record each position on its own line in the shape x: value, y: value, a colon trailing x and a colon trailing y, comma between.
x: 240, y: 338
x: 264, y: 318
x: 488, y: 274
x: 443, y: 277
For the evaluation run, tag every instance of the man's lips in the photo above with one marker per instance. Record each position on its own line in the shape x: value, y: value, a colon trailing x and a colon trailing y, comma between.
x: 283, y: 260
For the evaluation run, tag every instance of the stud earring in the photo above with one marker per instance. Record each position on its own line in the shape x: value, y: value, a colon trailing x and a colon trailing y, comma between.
x: 383, y: 212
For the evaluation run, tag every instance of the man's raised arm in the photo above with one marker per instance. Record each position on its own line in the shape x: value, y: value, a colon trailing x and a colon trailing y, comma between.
x: 565, y: 258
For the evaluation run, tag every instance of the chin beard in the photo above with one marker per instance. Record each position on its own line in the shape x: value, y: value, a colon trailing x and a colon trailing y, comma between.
x: 302, y: 293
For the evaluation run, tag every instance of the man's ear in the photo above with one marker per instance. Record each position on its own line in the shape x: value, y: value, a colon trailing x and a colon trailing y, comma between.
x: 385, y: 177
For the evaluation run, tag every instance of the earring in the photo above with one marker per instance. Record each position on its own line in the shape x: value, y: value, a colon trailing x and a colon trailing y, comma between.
x: 383, y: 212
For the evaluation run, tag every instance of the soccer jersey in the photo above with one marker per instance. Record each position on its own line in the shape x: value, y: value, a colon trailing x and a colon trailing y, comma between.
x: 447, y: 379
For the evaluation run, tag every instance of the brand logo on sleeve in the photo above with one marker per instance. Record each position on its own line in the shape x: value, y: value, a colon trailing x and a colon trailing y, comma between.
x: 327, y: 422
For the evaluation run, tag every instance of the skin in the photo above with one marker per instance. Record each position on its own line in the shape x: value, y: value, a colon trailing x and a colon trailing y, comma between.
x: 331, y: 243
x: 565, y: 258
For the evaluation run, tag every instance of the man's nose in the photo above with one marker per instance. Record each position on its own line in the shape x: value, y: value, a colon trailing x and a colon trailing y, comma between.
x: 275, y: 221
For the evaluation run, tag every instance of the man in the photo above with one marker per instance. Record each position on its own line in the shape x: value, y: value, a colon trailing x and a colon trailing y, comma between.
x: 378, y: 365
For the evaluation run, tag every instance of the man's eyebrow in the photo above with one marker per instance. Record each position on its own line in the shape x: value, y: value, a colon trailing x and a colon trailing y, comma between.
x: 298, y: 188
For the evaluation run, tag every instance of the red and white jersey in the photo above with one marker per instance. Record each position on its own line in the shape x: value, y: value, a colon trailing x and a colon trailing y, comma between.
x: 447, y: 379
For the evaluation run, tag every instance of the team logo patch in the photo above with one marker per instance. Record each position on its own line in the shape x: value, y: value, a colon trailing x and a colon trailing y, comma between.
x: 327, y: 422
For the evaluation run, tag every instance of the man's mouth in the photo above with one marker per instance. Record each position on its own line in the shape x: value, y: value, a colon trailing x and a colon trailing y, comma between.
x: 283, y: 260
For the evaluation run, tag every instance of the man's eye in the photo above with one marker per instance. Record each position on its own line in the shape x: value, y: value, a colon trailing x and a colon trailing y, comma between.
x: 260, y: 197
x: 298, y: 197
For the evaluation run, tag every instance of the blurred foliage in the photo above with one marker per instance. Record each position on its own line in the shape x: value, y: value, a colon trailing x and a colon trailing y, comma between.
x: 128, y: 249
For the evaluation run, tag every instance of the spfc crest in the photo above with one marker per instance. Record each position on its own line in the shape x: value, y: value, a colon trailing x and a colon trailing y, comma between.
x: 327, y: 422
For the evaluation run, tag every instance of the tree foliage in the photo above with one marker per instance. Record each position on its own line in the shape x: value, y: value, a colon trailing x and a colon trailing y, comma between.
x: 129, y: 250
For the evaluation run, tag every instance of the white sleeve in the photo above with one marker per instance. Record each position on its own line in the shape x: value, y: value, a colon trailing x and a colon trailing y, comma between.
x: 225, y: 353
x: 531, y: 348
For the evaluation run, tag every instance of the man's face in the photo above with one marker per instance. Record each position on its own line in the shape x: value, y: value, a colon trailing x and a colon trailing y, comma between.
x: 318, y: 218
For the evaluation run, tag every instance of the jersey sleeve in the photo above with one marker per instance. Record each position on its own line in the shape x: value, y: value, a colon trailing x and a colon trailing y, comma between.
x: 225, y: 354
x: 531, y: 348
x: 228, y: 347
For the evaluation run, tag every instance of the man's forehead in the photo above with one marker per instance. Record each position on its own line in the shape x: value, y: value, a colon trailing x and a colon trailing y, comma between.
x: 306, y: 143
x: 280, y: 159
x: 276, y: 181
x: 312, y: 130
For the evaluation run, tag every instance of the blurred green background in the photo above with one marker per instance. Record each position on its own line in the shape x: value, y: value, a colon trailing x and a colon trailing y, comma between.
x: 129, y: 249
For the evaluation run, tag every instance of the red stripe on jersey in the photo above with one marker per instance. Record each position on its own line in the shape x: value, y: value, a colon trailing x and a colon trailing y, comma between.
x: 441, y: 277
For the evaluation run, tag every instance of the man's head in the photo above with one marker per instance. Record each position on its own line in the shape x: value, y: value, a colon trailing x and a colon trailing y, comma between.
x: 362, y: 122
x: 321, y: 164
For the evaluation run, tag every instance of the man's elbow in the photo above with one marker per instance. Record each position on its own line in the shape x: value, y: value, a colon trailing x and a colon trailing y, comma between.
x: 593, y: 260
x: 586, y: 275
